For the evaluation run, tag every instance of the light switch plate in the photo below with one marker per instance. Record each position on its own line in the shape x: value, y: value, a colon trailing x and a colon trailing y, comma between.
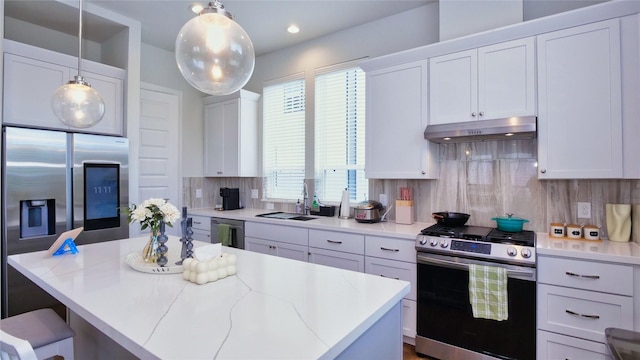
x: 384, y: 200
x: 198, y: 193
x: 254, y: 193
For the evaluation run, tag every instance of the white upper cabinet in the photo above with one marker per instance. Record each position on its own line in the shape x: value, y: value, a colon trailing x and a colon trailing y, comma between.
x: 396, y: 119
x: 490, y: 82
x: 580, y: 106
x: 31, y: 75
x: 231, y: 135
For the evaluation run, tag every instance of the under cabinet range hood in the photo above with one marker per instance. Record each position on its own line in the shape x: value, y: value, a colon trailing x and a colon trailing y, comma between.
x: 523, y: 127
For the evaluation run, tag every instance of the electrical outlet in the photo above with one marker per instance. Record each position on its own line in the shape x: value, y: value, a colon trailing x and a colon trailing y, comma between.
x: 384, y: 200
x: 254, y: 193
x: 198, y: 193
x: 269, y: 206
x: 584, y: 210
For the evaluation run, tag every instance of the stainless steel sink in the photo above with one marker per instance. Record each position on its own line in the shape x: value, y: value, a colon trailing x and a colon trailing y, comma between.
x: 285, y: 216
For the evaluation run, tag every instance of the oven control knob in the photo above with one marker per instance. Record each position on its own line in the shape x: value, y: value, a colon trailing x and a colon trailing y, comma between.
x: 423, y: 241
x: 434, y: 242
x: 526, y: 253
x: 444, y: 243
x: 511, y: 251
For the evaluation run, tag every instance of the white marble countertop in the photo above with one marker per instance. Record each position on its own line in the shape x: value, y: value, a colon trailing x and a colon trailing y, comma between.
x: 602, y: 250
x: 272, y: 308
x: 387, y: 228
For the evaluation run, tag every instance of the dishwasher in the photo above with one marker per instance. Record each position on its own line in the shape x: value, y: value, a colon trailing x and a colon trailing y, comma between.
x: 236, y: 227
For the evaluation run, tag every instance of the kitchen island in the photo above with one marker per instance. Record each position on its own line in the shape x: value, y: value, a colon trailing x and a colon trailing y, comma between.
x: 272, y: 308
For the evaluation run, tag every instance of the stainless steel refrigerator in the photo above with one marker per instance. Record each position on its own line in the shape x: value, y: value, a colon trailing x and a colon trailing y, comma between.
x: 54, y: 181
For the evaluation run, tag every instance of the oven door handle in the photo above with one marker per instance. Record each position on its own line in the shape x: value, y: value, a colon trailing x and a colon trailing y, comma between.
x: 465, y: 266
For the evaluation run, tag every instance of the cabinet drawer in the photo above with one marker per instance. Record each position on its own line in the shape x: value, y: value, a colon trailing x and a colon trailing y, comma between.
x: 580, y: 313
x: 390, y: 248
x: 201, y: 222
x: 556, y: 346
x: 337, y: 259
x: 201, y: 235
x: 393, y: 269
x: 587, y: 275
x: 290, y: 234
x: 338, y: 241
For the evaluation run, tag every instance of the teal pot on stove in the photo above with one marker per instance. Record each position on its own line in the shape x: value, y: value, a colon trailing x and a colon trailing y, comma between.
x: 510, y: 223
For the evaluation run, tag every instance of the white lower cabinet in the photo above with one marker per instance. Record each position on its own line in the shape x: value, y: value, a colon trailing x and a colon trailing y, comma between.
x: 201, y: 226
x: 577, y: 300
x: 395, y: 258
x: 409, y: 318
x: 336, y: 259
x: 276, y: 248
x: 279, y: 240
x: 337, y: 249
x: 556, y: 346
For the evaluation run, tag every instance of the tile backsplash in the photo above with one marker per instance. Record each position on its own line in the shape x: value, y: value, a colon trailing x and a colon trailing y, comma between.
x: 483, y: 179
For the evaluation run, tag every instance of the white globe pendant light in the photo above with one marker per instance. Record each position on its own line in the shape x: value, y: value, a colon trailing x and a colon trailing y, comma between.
x: 76, y: 103
x: 214, y: 53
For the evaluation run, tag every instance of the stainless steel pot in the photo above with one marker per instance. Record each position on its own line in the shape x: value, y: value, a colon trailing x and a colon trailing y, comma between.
x: 369, y: 212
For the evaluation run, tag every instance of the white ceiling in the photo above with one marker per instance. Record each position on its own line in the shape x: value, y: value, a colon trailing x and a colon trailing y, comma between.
x: 265, y: 21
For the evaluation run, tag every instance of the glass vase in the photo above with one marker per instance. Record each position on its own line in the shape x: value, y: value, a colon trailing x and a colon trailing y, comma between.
x: 150, y: 251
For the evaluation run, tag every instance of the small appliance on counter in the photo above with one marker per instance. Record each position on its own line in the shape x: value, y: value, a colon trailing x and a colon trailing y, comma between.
x: 370, y: 212
x: 230, y: 198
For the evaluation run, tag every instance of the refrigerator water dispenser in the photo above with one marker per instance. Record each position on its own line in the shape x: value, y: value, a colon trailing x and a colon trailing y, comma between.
x: 37, y: 218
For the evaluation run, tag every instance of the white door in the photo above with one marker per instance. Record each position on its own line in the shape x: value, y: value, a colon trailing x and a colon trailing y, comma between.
x: 159, y: 174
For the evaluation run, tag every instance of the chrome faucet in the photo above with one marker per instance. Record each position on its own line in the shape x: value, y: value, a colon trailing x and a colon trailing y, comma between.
x: 305, y: 199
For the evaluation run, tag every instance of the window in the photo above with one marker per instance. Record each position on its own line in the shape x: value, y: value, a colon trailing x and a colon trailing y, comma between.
x: 339, y: 133
x: 283, y: 139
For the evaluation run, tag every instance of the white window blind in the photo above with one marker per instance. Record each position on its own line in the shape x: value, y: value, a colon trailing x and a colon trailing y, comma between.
x: 340, y: 133
x: 283, y: 140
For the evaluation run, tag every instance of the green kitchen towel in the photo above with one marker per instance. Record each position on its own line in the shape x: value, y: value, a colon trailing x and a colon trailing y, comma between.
x: 224, y: 234
x: 488, y: 292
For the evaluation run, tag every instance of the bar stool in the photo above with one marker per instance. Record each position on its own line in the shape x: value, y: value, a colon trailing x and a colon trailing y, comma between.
x: 44, y: 332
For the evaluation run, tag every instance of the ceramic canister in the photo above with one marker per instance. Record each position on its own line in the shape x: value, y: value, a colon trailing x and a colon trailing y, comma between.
x: 635, y: 223
x: 591, y: 232
x: 557, y: 230
x: 574, y: 231
x: 618, y: 222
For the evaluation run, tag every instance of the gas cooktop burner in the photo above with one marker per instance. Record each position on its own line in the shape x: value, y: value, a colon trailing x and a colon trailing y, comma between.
x: 479, y: 241
x: 481, y: 233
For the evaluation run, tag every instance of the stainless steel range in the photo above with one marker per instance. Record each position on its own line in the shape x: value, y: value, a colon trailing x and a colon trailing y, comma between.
x: 446, y: 327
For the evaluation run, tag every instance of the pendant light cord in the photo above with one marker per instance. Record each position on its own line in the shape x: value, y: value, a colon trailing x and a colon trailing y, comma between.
x: 80, y: 37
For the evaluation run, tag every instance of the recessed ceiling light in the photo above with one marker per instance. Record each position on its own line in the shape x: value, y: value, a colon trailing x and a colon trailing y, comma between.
x: 447, y: 138
x: 196, y: 8
x: 508, y: 134
x: 293, y: 29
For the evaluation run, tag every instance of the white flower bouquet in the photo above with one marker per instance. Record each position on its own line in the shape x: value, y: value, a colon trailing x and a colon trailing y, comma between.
x: 153, y: 212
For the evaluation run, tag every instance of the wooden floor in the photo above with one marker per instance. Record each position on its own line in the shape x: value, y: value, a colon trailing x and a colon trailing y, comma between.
x: 409, y: 352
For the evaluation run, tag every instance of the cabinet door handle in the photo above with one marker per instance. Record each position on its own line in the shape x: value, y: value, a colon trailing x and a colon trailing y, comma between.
x: 387, y: 249
x: 594, y: 317
x: 473, y: 114
x: 481, y: 113
x: 334, y: 242
x: 544, y: 171
x: 594, y: 277
x: 389, y: 277
x: 197, y: 222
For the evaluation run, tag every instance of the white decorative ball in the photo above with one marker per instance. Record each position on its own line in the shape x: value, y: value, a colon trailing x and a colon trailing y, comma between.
x: 231, y: 270
x: 202, y: 278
